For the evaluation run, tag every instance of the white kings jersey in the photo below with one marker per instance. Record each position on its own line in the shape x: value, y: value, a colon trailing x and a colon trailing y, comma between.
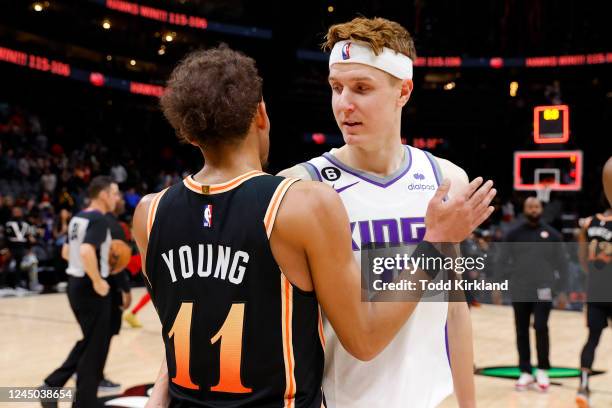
x: 414, y: 369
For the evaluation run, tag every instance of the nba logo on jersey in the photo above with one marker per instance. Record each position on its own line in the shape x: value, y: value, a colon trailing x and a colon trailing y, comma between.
x: 208, y: 216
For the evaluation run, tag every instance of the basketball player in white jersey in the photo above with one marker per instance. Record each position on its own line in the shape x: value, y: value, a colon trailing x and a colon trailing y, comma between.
x: 385, y: 187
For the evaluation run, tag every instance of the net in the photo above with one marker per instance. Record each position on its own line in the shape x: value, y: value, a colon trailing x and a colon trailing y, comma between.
x: 543, y: 192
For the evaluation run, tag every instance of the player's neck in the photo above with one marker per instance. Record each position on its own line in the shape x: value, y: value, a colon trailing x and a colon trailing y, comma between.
x: 380, y: 160
x: 224, y: 163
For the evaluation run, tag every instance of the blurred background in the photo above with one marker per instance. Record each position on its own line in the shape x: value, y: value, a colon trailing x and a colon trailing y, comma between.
x: 518, y: 91
x: 80, y: 84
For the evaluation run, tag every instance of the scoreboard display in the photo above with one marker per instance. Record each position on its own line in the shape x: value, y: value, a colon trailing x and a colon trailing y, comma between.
x: 551, y: 124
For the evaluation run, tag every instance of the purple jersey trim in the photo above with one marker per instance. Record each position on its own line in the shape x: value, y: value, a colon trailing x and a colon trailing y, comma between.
x: 446, y: 341
x: 311, y: 168
x: 330, y: 158
x: 434, y: 167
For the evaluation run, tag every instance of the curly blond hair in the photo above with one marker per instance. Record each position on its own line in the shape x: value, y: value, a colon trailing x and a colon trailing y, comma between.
x: 376, y: 32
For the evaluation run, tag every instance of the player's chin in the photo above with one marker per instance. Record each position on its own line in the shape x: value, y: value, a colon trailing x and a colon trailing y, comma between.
x: 354, y: 139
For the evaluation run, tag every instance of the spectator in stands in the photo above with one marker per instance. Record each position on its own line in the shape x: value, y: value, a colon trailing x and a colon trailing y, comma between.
x: 60, y: 237
x: 119, y: 173
x: 48, y: 181
x: 23, y: 165
x: 20, y: 236
x: 6, y: 203
x: 132, y: 198
x: 65, y: 200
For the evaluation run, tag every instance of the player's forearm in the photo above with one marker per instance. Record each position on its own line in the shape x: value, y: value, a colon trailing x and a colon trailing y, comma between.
x: 369, y: 326
x: 390, y: 309
x: 90, y: 262
x: 378, y: 324
x: 159, y: 396
x: 461, y: 354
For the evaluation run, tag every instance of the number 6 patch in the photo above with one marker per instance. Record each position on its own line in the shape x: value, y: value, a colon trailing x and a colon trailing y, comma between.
x: 331, y: 173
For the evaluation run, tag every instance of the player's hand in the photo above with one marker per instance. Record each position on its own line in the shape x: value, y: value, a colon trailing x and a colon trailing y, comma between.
x: 101, y: 287
x: 126, y: 298
x: 454, y: 220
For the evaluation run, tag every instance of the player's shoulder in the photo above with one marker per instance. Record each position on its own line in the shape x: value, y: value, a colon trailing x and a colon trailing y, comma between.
x: 299, y: 171
x: 306, y: 206
x: 146, y: 200
x: 310, y: 199
x: 142, y: 208
x: 451, y: 171
x: 312, y: 192
x: 455, y: 174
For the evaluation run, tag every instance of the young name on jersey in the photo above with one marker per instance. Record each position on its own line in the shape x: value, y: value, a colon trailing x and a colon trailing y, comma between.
x: 217, y: 261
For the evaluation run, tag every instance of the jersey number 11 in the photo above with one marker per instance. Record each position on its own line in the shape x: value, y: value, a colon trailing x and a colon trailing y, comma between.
x: 230, y: 335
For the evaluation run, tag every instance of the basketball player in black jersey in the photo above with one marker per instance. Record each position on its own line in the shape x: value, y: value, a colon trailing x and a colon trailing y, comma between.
x: 233, y: 257
x: 596, y: 259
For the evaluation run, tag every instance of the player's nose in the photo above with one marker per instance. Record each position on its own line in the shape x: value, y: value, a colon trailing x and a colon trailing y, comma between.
x: 345, y: 101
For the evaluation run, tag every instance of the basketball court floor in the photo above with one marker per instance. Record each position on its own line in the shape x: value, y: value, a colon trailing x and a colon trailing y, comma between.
x: 37, y: 332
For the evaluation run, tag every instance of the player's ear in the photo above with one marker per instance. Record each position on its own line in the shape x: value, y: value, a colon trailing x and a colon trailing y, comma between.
x: 261, y: 116
x: 187, y: 139
x: 405, y: 92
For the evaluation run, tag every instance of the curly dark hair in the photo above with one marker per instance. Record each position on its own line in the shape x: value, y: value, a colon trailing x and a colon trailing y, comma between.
x: 212, y: 96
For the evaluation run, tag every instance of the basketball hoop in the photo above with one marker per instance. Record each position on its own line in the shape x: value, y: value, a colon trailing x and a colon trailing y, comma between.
x: 543, y: 192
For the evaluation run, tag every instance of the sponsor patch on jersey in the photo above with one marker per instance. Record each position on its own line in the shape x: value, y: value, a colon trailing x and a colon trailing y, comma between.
x: 421, y: 187
x: 208, y: 211
x: 419, y: 176
x: 331, y: 173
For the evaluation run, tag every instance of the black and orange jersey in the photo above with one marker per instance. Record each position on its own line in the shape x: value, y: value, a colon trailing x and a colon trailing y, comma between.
x: 237, y: 333
x: 599, y: 241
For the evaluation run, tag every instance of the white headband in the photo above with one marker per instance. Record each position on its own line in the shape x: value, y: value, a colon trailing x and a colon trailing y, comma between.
x: 394, y: 63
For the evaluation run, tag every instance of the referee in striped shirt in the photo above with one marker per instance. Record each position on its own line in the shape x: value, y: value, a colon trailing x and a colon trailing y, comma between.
x: 89, y: 241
